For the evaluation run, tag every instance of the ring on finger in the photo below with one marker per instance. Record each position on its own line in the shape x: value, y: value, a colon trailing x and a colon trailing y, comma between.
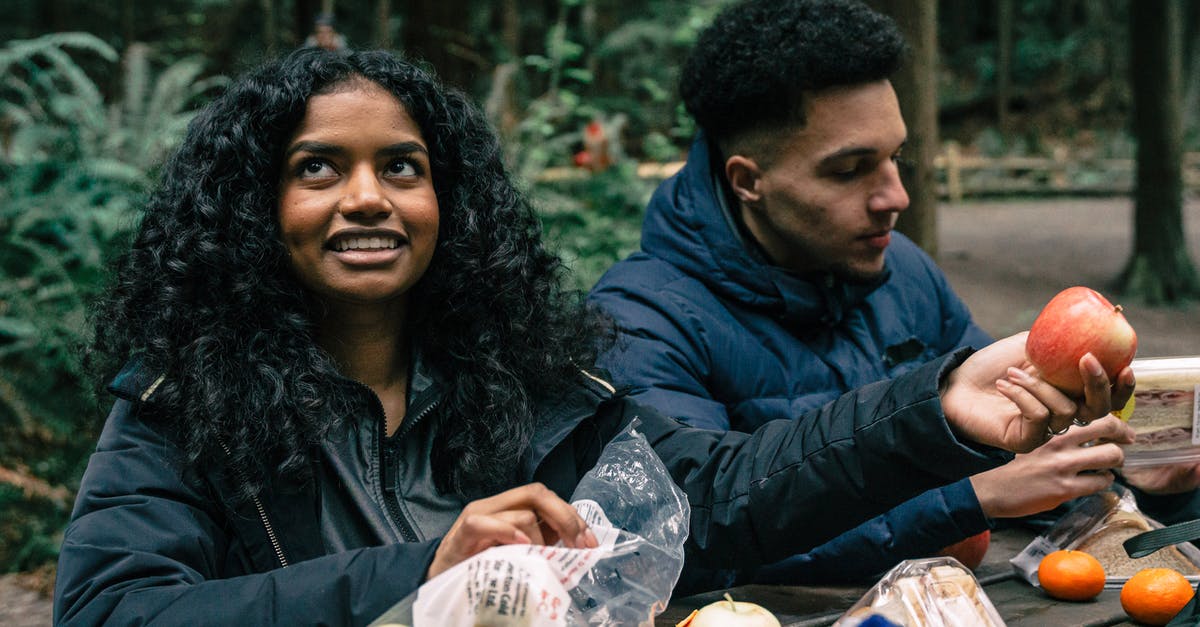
x: 1051, y: 432
x: 1080, y: 423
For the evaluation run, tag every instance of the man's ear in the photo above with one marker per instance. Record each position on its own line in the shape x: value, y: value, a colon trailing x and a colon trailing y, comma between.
x: 745, y: 178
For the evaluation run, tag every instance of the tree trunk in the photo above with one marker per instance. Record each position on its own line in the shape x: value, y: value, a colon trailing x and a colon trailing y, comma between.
x: 431, y: 32
x: 510, y: 28
x: 590, y: 40
x: 128, y: 32
x: 221, y: 33
x: 956, y: 17
x: 916, y: 86
x: 1004, y: 50
x: 268, y: 32
x: 53, y: 16
x: 501, y: 102
x: 1191, y: 97
x: 383, y: 23
x: 304, y: 13
x: 1160, y: 270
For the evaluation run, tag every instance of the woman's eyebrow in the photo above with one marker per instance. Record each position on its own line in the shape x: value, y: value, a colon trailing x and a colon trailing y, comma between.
x: 403, y: 148
x: 322, y: 148
x: 315, y: 147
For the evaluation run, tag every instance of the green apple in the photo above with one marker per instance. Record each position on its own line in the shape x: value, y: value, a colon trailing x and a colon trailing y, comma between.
x: 730, y: 613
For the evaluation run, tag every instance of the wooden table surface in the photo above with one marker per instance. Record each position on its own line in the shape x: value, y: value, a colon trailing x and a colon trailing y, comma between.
x: 1019, y: 604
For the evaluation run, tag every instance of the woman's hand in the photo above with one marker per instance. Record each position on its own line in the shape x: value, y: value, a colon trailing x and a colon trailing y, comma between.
x: 1169, y: 479
x: 1069, y: 466
x: 530, y: 514
x: 995, y: 398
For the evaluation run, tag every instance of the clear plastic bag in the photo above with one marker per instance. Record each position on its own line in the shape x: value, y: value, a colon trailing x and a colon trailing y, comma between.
x: 929, y: 592
x: 639, y: 517
x: 1098, y: 525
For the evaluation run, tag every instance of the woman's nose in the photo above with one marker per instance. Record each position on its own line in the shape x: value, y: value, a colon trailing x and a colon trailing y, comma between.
x: 363, y: 197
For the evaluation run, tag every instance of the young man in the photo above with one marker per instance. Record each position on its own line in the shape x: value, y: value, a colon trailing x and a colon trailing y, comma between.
x: 771, y: 281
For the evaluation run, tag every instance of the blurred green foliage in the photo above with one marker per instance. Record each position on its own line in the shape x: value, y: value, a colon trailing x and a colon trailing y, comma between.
x: 72, y: 172
x: 595, y: 220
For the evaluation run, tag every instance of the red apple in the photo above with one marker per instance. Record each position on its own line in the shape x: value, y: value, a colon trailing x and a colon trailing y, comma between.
x: 970, y: 551
x: 1076, y: 321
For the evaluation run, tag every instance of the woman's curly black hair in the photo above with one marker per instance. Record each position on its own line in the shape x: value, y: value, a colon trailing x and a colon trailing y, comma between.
x: 749, y: 69
x: 205, y: 297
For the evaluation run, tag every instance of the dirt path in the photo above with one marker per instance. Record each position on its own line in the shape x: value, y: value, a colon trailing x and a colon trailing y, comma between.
x: 21, y: 605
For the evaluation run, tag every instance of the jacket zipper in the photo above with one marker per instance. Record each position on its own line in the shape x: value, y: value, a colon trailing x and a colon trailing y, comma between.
x: 393, y: 509
x: 392, y: 497
x: 262, y: 514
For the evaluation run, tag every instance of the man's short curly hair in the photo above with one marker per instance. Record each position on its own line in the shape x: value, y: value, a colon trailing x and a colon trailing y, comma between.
x: 750, y: 69
x: 205, y: 296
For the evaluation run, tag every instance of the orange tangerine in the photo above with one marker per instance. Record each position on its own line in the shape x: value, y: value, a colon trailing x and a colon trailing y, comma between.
x: 1071, y: 575
x: 1155, y: 595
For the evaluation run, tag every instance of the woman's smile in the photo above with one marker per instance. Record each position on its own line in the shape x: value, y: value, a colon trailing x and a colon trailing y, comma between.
x: 355, y: 247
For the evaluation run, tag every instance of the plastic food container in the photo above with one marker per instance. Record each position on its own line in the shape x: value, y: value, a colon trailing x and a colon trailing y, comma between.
x: 930, y: 592
x: 1166, y: 412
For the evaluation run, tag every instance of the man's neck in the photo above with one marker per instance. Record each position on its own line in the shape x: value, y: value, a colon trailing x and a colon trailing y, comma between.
x: 731, y: 210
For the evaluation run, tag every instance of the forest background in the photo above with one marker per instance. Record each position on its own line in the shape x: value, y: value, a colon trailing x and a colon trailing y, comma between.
x: 94, y: 94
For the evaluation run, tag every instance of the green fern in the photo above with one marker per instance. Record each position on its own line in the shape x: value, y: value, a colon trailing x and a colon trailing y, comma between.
x: 73, y: 171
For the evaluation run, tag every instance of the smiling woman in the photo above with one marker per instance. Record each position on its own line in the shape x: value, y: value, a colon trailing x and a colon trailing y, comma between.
x: 343, y: 364
x: 357, y: 209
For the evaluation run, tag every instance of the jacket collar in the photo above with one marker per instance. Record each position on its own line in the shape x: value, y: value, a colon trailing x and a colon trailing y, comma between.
x: 558, y: 420
x: 690, y: 224
x: 135, y: 383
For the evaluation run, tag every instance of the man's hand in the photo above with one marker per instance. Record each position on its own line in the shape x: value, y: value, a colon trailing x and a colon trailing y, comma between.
x: 530, y: 514
x: 1069, y: 466
x: 996, y: 398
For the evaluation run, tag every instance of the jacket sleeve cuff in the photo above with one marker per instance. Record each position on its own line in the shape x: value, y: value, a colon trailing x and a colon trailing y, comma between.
x: 964, y: 507
x: 948, y: 364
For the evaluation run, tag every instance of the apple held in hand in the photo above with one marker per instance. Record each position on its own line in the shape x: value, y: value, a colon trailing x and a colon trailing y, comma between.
x: 731, y: 613
x: 970, y: 551
x: 1078, y: 320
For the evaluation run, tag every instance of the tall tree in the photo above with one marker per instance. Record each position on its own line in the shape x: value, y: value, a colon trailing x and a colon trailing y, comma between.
x: 1160, y: 270
x: 1191, y: 93
x: 268, y: 21
x: 383, y: 23
x: 432, y: 31
x: 303, y: 14
x: 1004, y: 55
x: 916, y: 85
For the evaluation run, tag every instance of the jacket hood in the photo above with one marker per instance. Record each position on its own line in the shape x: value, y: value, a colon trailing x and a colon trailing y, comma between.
x: 689, y: 223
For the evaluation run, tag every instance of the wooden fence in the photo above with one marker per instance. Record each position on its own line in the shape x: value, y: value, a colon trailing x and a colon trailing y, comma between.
x: 962, y: 176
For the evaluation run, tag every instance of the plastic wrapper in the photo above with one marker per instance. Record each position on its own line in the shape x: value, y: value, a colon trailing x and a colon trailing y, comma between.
x: 930, y: 592
x: 640, y: 519
x: 1099, y: 525
x: 1166, y: 412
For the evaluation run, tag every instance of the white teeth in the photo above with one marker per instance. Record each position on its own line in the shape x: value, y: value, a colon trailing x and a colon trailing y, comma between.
x: 366, y: 243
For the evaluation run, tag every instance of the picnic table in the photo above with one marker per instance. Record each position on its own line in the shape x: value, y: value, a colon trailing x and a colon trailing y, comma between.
x: 1019, y: 604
